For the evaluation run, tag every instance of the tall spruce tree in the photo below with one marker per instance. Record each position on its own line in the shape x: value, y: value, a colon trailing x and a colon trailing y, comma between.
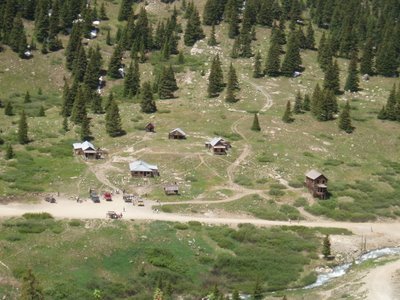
x: 345, y: 119
x: 96, y: 106
x: 17, y: 37
x: 232, y: 85
x: 80, y: 64
x: 79, y: 107
x: 292, y: 60
x: 352, y: 81
x: 148, y: 105
x: 272, y: 64
x: 113, y: 120
x: 256, y: 124
x: 390, y: 108
x: 257, y: 69
x: 306, y: 103
x: 193, y: 31
x: 310, y: 40
x: 85, y: 132
x: 9, y: 152
x: 132, y: 80
x: 23, y: 129
x: 125, y: 10
x: 216, y: 78
x: 232, y: 17
x: 331, y: 79
x: 316, y: 102
x: 73, y: 46
x: 212, y: 41
x: 298, y: 104
x: 287, y: 116
x: 93, y: 68
x: 115, y: 62
x: 367, y: 58
x: 167, y: 83
x: 387, y: 61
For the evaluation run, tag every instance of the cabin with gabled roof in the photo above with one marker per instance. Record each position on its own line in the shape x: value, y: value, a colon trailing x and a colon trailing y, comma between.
x: 87, y: 150
x: 316, y: 183
x: 150, y: 127
x: 177, y: 134
x: 218, y: 146
x: 140, y: 168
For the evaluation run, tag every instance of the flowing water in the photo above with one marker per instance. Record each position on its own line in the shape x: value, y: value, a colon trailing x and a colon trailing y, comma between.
x: 340, y: 270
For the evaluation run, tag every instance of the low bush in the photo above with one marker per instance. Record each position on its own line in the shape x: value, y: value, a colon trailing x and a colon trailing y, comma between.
x: 38, y: 216
x: 75, y: 223
x: 181, y: 226
x: 276, y: 192
x: 299, y: 202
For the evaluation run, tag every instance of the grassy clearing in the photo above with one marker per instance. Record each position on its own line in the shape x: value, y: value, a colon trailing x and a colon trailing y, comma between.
x: 72, y: 258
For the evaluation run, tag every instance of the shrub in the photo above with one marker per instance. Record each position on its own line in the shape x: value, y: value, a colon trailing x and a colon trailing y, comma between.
x: 166, y: 209
x: 194, y: 224
x: 278, y: 186
x: 75, y: 223
x: 13, y: 238
x: 243, y: 180
x: 276, y: 192
x: 181, y: 226
x: 38, y: 216
x: 299, y: 202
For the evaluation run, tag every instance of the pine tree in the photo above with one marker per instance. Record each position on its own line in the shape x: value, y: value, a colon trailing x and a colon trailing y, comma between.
x: 80, y: 64
x: 232, y: 17
x: 109, y: 100
x: 17, y: 37
x: 352, y: 80
x: 265, y: 14
x: 108, y: 38
x: 387, y: 58
x: 8, y: 109
x: 42, y: 21
x: 345, y: 119
x: 257, y: 72
x: 30, y: 289
x: 103, y: 13
x: 382, y: 113
x: 328, y: 105
x: 212, y: 40
x: 390, y: 110
x: 215, y: 79
x: 23, y: 129
x: 326, y: 247
x: 235, y: 295
x: 181, y: 58
x: 41, y: 112
x: 256, y: 124
x: 54, y: 27
x: 85, y: 133
x: 93, y: 68
x: 148, y: 105
x: 73, y: 45
x: 235, y: 48
x: 113, y: 120
x: 96, y: 106
x: 115, y: 62
x: 306, y: 103
x: 324, y: 53
x: 316, y: 102
x: 125, y: 10
x: 9, y: 152
x: 232, y: 85
x: 367, y: 58
x: 167, y: 83
x: 298, y: 104
x: 132, y: 80
x: 27, y: 98
x: 272, y: 65
x: 193, y: 31
x: 331, y: 79
x: 257, y: 292
x: 310, y: 40
x: 287, y: 116
x: 65, y: 124
x: 79, y: 107
x: 292, y: 60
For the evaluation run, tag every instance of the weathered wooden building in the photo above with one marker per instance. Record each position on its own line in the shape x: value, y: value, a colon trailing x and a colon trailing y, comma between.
x: 218, y: 145
x: 177, y: 134
x: 317, y: 184
x: 87, y: 150
x: 171, y: 189
x: 140, y: 168
x: 150, y: 127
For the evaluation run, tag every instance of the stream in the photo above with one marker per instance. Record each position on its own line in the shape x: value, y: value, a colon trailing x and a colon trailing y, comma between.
x: 341, y: 270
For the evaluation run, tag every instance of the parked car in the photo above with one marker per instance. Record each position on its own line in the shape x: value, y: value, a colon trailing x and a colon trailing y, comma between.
x: 95, y: 198
x: 140, y: 202
x: 113, y: 215
x: 107, y: 196
x: 50, y: 199
x: 127, y: 197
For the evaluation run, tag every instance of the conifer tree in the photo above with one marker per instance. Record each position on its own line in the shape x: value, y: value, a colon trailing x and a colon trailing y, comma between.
x: 109, y: 100
x: 167, y: 83
x: 113, y: 120
x: 324, y: 53
x: 17, y: 37
x: 96, y: 106
x: 256, y: 124
x: 41, y: 112
x: 328, y: 105
x: 85, y: 133
x: 272, y: 65
x: 306, y: 103
x: 8, y: 109
x: 367, y: 58
x: 265, y: 13
x: 148, y: 105
x: 23, y: 129
x: 331, y: 79
x: 80, y: 64
x: 298, y: 104
x: 27, y: 98
x: 235, y: 295
x: 212, y: 40
x: 9, y: 152
x: 257, y: 72
x: 382, y: 113
x: 257, y: 292
x: 215, y: 79
x: 65, y: 124
x: 352, y: 80
x: 79, y: 107
x: 9, y: 11
x: 310, y: 40
x: 115, y: 62
x: 232, y: 86
x: 301, y: 38
x: 345, y: 119
x: 390, y: 108
x: 132, y: 80
x: 292, y: 60
x: 30, y: 287
x: 232, y: 17
x: 193, y: 31
x: 73, y: 45
x: 326, y: 247
x: 125, y: 10
x: 108, y: 38
x: 42, y: 21
x: 181, y: 58
x: 235, y: 48
x: 54, y: 43
x: 103, y: 13
x: 93, y: 68
x: 316, y: 102
x: 287, y: 116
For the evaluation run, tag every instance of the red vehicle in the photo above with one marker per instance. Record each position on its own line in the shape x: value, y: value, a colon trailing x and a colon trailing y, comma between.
x: 107, y: 196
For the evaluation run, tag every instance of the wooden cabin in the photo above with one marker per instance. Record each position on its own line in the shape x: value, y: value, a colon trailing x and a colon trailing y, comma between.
x: 150, y: 127
x: 172, y: 189
x: 177, y: 134
x: 218, y: 146
x: 87, y: 150
x: 140, y: 168
x: 317, y: 184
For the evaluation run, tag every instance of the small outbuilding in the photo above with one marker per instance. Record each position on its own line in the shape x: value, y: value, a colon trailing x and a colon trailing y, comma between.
x: 171, y: 189
x: 150, y: 127
x: 140, y: 168
x: 87, y: 150
x: 177, y: 134
x: 218, y: 146
x: 316, y: 183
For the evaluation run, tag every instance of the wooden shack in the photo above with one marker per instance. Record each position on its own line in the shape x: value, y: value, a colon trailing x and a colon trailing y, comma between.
x: 150, y: 127
x: 317, y: 184
x: 171, y: 189
x: 177, y: 134
x: 218, y: 146
x: 87, y: 150
x: 140, y: 168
